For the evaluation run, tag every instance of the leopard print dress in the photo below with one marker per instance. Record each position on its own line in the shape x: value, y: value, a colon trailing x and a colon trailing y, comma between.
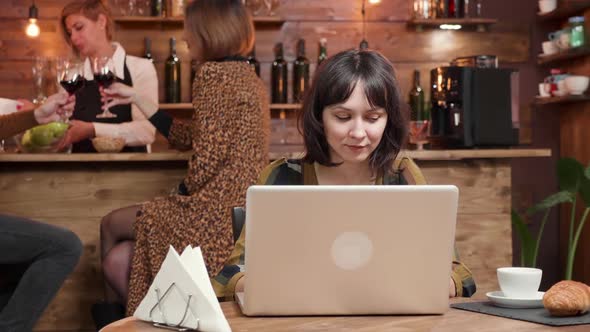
x: 229, y: 135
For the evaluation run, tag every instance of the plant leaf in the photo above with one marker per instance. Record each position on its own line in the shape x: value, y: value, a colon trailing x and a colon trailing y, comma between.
x: 551, y: 201
x: 527, y: 244
x: 587, y: 172
x: 569, y: 174
x: 585, y: 188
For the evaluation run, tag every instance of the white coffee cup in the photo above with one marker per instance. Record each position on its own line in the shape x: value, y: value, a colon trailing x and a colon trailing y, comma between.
x: 576, y: 84
x: 549, y: 47
x: 561, y: 89
x: 544, y: 90
x: 519, y: 282
x: 546, y: 6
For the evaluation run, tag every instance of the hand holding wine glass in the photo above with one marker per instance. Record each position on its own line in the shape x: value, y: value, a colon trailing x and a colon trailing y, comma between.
x: 117, y: 94
x: 55, y: 107
x: 104, y: 75
x: 70, y: 75
x: 121, y: 94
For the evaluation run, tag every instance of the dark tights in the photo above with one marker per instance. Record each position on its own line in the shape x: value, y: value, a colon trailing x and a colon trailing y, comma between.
x: 117, y: 241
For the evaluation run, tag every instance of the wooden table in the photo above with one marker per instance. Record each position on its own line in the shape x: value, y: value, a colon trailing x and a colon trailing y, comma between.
x: 453, y: 320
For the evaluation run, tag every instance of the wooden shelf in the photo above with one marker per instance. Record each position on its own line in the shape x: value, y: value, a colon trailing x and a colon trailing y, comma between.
x: 276, y: 151
x: 481, y: 24
x: 561, y: 100
x: 570, y: 8
x: 572, y: 53
x: 285, y: 106
x: 258, y: 20
x: 189, y: 106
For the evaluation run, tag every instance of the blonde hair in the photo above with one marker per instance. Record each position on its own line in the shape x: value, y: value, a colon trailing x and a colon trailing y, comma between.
x: 219, y: 28
x: 91, y: 9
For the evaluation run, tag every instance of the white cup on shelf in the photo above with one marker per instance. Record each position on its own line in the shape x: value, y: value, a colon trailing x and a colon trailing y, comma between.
x: 546, y: 6
x: 549, y: 47
x: 576, y: 84
x: 544, y: 90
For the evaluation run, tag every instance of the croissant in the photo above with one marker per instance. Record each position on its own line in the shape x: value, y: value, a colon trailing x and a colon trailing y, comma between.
x: 567, y: 298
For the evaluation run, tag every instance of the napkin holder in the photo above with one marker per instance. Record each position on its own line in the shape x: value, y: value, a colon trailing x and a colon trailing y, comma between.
x: 169, y: 325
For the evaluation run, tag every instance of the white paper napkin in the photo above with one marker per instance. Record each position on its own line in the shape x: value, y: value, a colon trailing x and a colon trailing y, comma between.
x: 189, y: 276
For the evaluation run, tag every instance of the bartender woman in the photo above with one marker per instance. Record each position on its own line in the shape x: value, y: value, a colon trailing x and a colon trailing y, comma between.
x: 88, y: 28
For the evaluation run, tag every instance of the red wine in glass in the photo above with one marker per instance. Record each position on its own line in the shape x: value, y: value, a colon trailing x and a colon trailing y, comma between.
x: 73, y: 85
x: 104, y: 75
x: 105, y: 80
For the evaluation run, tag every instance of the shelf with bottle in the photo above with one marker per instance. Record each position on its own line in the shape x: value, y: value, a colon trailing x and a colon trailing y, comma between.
x: 476, y: 22
x: 565, y: 10
x: 258, y: 20
x: 449, y: 15
x: 569, y: 54
x: 189, y: 106
x: 561, y: 100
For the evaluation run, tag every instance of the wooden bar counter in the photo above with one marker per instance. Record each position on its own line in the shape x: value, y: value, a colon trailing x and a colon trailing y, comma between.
x: 76, y: 190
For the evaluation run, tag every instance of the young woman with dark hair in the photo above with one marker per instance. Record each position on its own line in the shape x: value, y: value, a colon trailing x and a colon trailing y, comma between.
x: 354, y: 129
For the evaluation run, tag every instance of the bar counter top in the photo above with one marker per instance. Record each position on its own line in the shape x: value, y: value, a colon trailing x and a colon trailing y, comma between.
x: 274, y: 154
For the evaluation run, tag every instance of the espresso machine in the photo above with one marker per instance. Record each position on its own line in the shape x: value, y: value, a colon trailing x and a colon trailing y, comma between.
x: 474, y: 107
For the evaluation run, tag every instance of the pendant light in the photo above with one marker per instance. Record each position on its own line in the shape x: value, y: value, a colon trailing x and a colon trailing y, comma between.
x: 32, y: 28
x: 364, y: 43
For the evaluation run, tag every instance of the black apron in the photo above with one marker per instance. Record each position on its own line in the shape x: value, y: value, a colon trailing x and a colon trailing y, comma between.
x: 88, y: 106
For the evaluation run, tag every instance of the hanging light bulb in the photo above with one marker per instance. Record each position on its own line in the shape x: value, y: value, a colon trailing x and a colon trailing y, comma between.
x: 364, y: 43
x: 32, y: 28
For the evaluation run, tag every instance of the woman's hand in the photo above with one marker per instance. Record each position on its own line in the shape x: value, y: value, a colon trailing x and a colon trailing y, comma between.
x: 54, y: 107
x: 240, y: 285
x: 452, y: 290
x: 117, y: 94
x: 120, y: 94
x: 78, y: 131
x: 24, y: 105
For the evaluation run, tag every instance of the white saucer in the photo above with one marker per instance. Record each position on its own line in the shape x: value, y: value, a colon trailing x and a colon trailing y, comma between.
x: 500, y: 300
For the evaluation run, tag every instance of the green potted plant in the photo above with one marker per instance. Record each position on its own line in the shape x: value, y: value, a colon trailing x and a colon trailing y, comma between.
x: 574, y: 181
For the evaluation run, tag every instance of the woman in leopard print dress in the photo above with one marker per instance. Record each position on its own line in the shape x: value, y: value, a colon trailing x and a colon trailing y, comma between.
x: 229, y: 134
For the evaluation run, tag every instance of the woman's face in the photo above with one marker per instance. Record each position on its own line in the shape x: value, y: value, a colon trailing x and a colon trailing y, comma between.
x: 353, y: 129
x: 86, y: 35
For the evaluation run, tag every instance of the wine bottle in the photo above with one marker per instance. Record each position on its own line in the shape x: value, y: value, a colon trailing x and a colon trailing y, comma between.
x: 323, y: 50
x: 253, y: 62
x: 417, y: 99
x: 172, y: 75
x: 157, y: 7
x: 177, y: 7
x: 279, y: 76
x: 300, y: 73
x: 147, y: 52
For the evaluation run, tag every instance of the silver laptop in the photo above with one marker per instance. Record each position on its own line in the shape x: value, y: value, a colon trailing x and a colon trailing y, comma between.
x: 348, y: 250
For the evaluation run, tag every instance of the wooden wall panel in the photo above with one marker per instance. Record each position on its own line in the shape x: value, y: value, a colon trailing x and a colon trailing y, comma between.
x: 574, y: 143
x: 77, y: 196
x: 339, y: 21
x: 484, y: 235
x: 575, y: 138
